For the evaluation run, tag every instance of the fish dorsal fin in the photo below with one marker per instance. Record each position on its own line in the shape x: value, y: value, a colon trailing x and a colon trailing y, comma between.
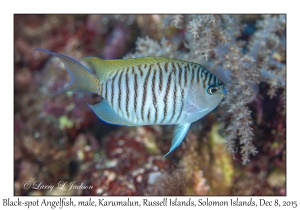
x: 105, y: 112
x: 104, y: 68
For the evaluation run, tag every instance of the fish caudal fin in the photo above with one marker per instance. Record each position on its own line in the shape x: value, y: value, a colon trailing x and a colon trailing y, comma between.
x: 81, y: 78
x: 179, y: 134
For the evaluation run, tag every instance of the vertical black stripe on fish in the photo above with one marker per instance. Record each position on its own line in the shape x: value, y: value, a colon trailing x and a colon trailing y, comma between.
x: 202, y: 72
x: 113, y: 89
x: 120, y: 89
x: 182, y: 104
x: 100, y: 87
x: 180, y: 74
x: 148, y: 116
x: 152, y: 79
x: 215, y: 80
x: 166, y: 96
x: 105, y: 96
x: 166, y: 66
x: 141, y: 72
x: 160, y: 77
x: 174, y: 99
x: 154, y: 95
x: 135, y: 94
x: 173, y: 67
x: 185, y: 77
x: 124, y: 92
x: 127, y: 91
x: 205, y: 78
x: 193, y: 73
x: 210, y: 76
x: 198, y: 74
x: 145, y: 91
x: 138, y: 97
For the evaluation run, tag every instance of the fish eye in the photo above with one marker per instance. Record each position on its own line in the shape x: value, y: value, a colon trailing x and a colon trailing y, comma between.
x: 212, y: 89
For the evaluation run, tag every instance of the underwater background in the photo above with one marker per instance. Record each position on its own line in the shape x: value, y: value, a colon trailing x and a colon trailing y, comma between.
x: 238, y: 149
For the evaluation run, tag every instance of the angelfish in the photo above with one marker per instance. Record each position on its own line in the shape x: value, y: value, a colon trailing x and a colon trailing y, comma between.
x: 147, y: 91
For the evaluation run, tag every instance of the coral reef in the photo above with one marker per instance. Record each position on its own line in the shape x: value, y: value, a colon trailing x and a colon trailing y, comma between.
x: 238, y: 149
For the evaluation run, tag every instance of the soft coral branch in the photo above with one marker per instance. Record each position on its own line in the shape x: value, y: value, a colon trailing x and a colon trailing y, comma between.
x: 214, y: 41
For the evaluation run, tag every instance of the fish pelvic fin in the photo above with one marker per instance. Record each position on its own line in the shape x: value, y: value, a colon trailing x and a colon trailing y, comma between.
x: 179, y: 134
x: 81, y: 78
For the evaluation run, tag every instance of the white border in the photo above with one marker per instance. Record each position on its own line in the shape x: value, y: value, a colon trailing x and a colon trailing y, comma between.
x: 154, y: 6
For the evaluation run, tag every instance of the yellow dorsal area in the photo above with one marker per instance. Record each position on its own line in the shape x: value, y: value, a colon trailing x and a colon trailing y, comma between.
x: 104, y: 67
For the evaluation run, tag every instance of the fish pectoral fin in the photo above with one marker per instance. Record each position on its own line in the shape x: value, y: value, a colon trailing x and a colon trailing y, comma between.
x: 105, y: 112
x: 179, y: 134
x: 193, y: 108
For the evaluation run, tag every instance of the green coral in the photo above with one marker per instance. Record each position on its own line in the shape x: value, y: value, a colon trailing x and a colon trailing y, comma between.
x: 221, y: 167
x: 65, y: 122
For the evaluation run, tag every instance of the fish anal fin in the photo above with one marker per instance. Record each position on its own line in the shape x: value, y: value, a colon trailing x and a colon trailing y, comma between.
x: 179, y: 134
x: 105, y: 112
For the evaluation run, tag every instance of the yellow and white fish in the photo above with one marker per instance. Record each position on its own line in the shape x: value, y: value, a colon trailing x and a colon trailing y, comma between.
x: 146, y: 91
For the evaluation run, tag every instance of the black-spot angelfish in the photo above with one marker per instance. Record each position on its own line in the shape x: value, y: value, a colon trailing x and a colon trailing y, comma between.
x: 147, y: 91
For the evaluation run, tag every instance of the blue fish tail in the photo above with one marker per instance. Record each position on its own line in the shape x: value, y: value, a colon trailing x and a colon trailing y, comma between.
x: 81, y: 78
